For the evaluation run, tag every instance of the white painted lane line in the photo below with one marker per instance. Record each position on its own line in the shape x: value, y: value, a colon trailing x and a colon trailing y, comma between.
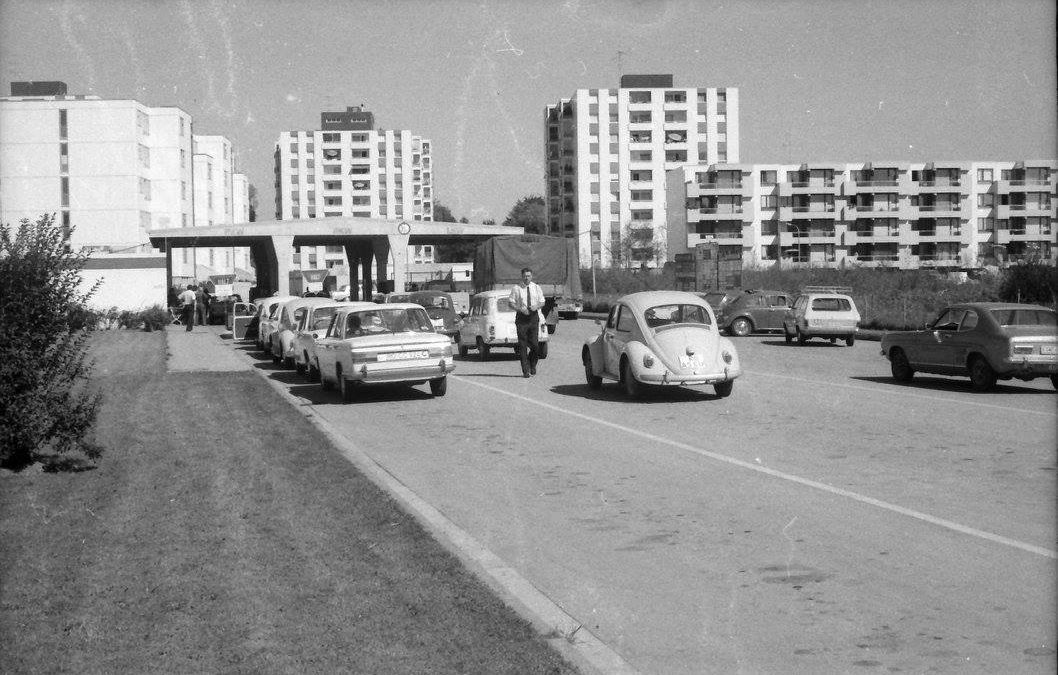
x: 924, y: 517
x: 904, y: 393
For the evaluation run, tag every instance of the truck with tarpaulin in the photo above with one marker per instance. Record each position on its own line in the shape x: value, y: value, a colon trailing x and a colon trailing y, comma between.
x: 498, y: 264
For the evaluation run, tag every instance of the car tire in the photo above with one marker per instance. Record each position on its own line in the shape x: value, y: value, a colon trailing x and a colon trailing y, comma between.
x: 723, y: 389
x: 900, y: 366
x: 300, y: 367
x: 633, y: 388
x: 462, y: 349
x: 801, y: 337
x: 982, y: 377
x: 541, y: 352
x: 483, y: 350
x: 289, y: 362
x: 325, y: 384
x: 787, y: 336
x: 276, y: 359
x: 594, y: 381
x: 850, y: 340
x: 741, y: 327
x: 1054, y: 381
x: 439, y: 386
x: 313, y: 372
x: 833, y: 340
x: 345, y: 387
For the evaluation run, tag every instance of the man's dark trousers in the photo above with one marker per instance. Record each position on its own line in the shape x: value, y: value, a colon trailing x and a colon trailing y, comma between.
x: 528, y: 328
x: 189, y: 316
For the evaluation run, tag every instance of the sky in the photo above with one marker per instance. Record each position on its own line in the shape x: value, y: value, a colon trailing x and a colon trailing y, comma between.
x: 819, y: 80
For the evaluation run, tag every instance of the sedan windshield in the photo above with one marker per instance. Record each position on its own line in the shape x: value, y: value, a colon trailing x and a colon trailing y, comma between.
x: 321, y: 318
x: 672, y: 315
x: 382, y: 320
x: 1024, y: 317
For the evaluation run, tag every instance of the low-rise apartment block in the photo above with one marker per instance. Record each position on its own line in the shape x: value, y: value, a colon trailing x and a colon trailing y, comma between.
x: 607, y: 151
x: 350, y: 168
x: 947, y: 215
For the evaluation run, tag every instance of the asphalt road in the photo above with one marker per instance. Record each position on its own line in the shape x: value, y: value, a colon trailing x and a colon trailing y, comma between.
x: 822, y: 519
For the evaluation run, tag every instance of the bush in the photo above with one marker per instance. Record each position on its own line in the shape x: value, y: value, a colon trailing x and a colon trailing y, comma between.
x: 1031, y: 282
x: 45, y: 406
x: 154, y: 318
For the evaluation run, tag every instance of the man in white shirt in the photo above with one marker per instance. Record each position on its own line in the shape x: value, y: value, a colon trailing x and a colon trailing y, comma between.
x: 187, y: 302
x: 527, y: 299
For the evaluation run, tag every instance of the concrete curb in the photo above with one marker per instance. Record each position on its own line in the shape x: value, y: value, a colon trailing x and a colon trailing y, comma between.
x: 564, y: 633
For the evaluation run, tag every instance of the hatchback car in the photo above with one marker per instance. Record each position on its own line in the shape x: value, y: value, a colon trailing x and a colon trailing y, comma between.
x: 986, y: 341
x: 441, y: 309
x: 569, y: 308
x: 661, y: 338
x: 822, y: 314
x: 753, y: 311
x: 490, y: 324
x: 374, y: 344
x: 311, y: 324
x: 282, y: 336
x: 267, y: 317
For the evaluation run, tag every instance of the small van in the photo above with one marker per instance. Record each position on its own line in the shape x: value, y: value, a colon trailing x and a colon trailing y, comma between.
x: 490, y: 324
x: 822, y: 312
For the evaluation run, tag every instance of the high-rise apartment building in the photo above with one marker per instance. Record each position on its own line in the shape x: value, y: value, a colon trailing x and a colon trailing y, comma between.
x: 947, y: 215
x: 607, y: 151
x: 350, y: 168
x: 113, y: 170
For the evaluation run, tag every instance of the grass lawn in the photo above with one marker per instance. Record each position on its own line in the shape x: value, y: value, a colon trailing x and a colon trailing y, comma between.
x: 221, y: 532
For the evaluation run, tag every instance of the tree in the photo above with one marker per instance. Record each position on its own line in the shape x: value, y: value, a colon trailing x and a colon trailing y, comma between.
x: 528, y: 212
x: 459, y: 251
x: 1031, y: 281
x: 442, y: 213
x: 45, y: 406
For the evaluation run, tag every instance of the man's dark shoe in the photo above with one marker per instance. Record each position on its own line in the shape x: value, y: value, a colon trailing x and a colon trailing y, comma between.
x: 532, y: 371
x: 525, y: 374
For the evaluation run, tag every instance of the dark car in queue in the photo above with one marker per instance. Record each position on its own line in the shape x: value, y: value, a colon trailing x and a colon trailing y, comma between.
x: 753, y: 311
x: 986, y: 341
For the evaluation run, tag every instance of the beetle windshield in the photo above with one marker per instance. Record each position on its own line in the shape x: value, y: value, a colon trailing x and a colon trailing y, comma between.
x: 1024, y: 317
x: 384, y: 320
x: 321, y: 318
x: 663, y: 316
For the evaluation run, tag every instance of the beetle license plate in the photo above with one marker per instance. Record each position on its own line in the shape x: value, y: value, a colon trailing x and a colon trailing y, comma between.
x: 1048, y: 350
x: 401, y: 356
x: 691, y: 361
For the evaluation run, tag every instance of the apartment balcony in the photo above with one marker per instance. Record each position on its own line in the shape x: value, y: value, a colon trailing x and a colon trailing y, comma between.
x: 724, y: 188
x: 940, y: 210
x: 1008, y: 186
x: 939, y: 260
x: 1025, y: 210
x: 802, y: 212
x: 722, y: 213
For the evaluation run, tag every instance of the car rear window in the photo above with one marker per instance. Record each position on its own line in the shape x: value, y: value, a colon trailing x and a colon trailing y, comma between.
x: 503, y: 305
x: 670, y: 315
x: 321, y: 318
x: 1024, y: 317
x: 831, y: 305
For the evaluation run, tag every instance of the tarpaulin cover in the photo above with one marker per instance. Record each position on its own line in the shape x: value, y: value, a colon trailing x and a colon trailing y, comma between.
x: 499, y: 261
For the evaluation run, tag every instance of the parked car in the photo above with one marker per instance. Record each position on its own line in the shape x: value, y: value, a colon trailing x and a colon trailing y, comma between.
x: 661, y: 338
x: 716, y: 299
x: 383, y: 344
x: 490, y: 324
x: 268, y: 315
x: 986, y: 341
x: 569, y: 308
x: 822, y: 314
x: 753, y: 311
x: 282, y: 336
x: 440, y: 307
x: 312, y: 325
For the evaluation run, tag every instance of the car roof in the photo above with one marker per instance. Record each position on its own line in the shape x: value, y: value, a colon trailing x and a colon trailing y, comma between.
x: 309, y: 301
x: 987, y: 306
x: 357, y: 306
x: 493, y: 294
x: 645, y: 299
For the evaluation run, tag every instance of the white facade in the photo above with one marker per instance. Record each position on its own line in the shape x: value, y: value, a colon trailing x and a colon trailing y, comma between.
x: 948, y: 215
x: 607, y: 153
x: 111, y: 170
x: 362, y: 173
x: 221, y: 197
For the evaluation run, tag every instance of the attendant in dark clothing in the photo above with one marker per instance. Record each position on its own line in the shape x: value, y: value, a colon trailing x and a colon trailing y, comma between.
x: 527, y: 299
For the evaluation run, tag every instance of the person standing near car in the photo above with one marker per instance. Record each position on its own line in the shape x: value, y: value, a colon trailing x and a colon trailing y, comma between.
x: 527, y: 299
x: 201, y: 305
x: 187, y: 306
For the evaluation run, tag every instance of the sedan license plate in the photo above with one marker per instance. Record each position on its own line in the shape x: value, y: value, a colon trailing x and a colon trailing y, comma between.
x: 1048, y: 350
x: 402, y: 356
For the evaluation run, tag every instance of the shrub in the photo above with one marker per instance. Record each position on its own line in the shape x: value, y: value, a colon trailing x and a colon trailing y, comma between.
x: 1031, y: 282
x: 154, y: 318
x: 45, y: 406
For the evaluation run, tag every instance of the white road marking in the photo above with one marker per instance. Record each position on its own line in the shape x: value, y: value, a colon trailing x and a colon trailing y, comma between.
x: 924, y: 517
x: 903, y: 393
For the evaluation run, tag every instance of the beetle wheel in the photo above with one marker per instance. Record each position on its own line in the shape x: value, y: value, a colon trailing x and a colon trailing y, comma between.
x: 439, y: 386
x: 633, y: 388
x: 594, y: 381
x: 723, y: 389
x: 483, y: 349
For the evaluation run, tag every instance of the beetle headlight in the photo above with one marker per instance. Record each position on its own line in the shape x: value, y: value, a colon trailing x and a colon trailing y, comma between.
x: 728, y: 358
x: 648, y: 361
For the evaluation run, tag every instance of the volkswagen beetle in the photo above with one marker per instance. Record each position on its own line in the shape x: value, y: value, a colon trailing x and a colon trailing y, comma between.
x: 661, y: 338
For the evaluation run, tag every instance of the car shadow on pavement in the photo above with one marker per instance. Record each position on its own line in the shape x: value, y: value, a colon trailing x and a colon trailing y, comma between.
x: 953, y: 384
x: 513, y: 373
x: 812, y: 343
x: 611, y: 391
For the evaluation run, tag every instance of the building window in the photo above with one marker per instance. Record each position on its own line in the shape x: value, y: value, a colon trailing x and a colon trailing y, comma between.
x: 64, y: 183
x: 183, y: 189
x: 639, y: 97
x: 64, y: 158
x: 769, y: 201
x: 986, y: 200
x: 768, y: 177
x: 293, y: 148
x: 145, y: 189
x: 62, y: 124
x: 640, y: 117
x: 984, y: 175
x: 183, y: 158
x: 985, y: 224
x: 642, y: 195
